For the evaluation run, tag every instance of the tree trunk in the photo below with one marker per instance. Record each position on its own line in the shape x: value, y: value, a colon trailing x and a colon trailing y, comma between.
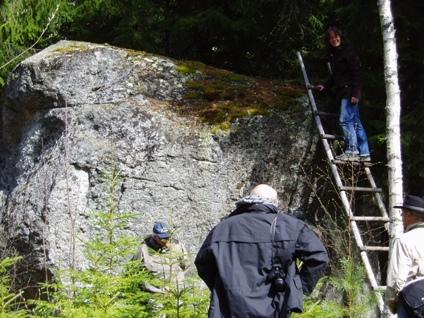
x: 394, y: 159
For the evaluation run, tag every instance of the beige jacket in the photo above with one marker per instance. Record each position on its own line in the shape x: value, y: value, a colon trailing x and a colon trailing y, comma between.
x: 406, y: 261
x: 168, y: 264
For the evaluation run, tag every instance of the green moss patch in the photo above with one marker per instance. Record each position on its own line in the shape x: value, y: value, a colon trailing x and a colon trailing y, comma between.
x: 218, y: 97
x: 74, y: 47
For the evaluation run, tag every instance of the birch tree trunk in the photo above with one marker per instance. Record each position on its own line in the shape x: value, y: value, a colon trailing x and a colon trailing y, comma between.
x: 394, y: 159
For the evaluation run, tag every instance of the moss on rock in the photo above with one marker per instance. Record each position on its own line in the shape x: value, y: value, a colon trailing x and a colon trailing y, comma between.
x: 218, y: 97
x: 72, y: 47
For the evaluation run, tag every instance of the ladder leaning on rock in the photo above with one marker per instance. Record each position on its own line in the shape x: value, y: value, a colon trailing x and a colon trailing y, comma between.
x: 344, y: 189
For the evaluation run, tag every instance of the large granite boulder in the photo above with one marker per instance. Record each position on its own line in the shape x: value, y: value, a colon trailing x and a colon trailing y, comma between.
x: 188, y: 141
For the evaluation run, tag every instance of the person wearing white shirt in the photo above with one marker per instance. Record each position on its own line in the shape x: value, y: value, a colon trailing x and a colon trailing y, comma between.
x: 407, y: 258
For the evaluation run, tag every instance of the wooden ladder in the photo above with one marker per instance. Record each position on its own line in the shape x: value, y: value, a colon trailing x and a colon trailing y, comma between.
x: 344, y: 190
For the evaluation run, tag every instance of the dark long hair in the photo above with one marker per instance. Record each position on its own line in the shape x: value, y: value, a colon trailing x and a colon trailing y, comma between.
x: 336, y: 31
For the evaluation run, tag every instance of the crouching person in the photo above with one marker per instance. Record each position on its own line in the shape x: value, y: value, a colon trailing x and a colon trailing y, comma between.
x: 164, y: 257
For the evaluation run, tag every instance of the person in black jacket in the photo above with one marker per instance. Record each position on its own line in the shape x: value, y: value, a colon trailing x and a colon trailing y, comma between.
x: 248, y: 260
x: 345, y: 79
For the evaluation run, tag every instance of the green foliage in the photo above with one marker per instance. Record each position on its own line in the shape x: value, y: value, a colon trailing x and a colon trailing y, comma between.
x: 98, y: 290
x: 89, y: 294
x: 321, y: 309
x: 240, y: 35
x: 317, y: 307
x: 180, y: 298
x: 187, y: 300
x: 409, y: 26
x: 250, y: 37
x: 356, y: 300
x: 111, y: 285
x: 10, y: 301
x: 26, y: 25
x: 346, y: 293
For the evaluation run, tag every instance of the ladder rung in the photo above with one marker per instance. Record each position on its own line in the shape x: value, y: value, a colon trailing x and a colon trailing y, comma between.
x: 362, y: 189
x: 326, y: 114
x: 375, y: 248
x: 370, y: 218
x: 355, y: 163
x: 328, y: 136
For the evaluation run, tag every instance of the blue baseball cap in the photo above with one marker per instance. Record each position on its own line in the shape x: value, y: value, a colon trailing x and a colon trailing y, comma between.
x: 161, y: 229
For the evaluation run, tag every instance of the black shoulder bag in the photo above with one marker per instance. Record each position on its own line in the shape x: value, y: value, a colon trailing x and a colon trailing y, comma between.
x: 412, y: 296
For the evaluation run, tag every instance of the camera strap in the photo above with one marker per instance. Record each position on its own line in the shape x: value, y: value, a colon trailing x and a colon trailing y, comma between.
x: 279, y: 271
x: 273, y: 243
x: 273, y: 226
x: 284, y: 259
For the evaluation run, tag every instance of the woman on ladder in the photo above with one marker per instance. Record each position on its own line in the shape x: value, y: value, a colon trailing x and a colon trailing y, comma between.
x: 345, y: 79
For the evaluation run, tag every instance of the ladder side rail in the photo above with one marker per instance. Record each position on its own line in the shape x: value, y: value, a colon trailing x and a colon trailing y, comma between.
x: 384, y: 213
x: 358, y: 239
x: 367, y: 264
x: 310, y: 95
x: 372, y: 280
x: 368, y: 269
x: 377, y: 196
x: 315, y: 109
x: 364, y: 256
x: 356, y: 234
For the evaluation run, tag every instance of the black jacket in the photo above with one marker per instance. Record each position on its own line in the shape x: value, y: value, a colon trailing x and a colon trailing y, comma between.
x: 235, y: 262
x: 346, y: 72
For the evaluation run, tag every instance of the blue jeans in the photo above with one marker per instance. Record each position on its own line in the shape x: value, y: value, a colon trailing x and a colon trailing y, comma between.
x: 400, y: 311
x: 354, y: 132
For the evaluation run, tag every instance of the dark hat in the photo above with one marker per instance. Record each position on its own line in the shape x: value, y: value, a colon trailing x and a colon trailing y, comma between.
x: 161, y: 229
x: 413, y: 203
